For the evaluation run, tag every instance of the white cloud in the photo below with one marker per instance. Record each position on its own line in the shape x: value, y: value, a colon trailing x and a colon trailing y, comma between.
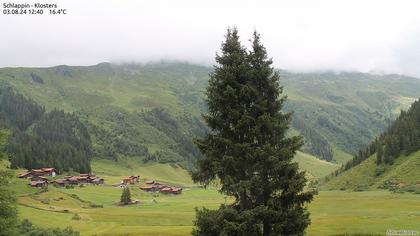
x: 299, y: 35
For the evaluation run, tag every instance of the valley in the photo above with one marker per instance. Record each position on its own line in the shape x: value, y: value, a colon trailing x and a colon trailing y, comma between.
x: 332, y: 212
x: 210, y: 118
x: 158, y: 106
x: 142, y: 120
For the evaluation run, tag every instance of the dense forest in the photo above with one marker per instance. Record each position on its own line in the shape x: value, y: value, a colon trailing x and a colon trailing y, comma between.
x: 401, y: 138
x: 43, y: 139
x: 120, y: 134
x: 315, y: 143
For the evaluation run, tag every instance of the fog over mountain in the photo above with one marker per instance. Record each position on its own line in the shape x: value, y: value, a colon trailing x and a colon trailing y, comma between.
x: 378, y: 36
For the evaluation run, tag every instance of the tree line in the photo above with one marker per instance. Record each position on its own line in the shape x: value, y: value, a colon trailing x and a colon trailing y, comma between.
x: 43, y: 139
x: 9, y: 223
x: 315, y: 143
x: 401, y: 138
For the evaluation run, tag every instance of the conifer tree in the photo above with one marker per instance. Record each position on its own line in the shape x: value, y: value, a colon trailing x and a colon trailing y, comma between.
x: 379, y: 153
x: 247, y: 148
x: 126, y: 196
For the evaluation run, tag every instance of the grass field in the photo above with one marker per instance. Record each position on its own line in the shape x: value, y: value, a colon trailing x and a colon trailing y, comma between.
x: 332, y: 212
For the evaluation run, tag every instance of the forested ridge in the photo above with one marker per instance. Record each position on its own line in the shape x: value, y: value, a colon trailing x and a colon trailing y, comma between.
x: 151, y: 112
x: 43, y: 139
x: 402, y: 137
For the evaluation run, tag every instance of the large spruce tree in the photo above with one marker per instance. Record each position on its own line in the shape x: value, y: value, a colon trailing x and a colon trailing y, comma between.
x: 247, y: 149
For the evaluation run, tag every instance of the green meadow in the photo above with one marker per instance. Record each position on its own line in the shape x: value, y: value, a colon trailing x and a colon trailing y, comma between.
x: 332, y: 212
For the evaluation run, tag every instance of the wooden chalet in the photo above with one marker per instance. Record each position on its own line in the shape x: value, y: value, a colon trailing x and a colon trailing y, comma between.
x: 166, y: 190
x: 148, y: 188
x: 38, y: 183
x: 131, y: 180
x: 49, y: 172
x: 39, y: 172
x: 25, y: 175
x: 152, y: 186
x: 149, y: 182
x: 172, y: 190
x: 98, y: 181
x: 81, y: 179
x: 35, y: 178
x: 176, y: 190
x: 60, y: 182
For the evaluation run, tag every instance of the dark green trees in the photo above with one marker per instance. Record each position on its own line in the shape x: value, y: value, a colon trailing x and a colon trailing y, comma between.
x: 247, y: 148
x: 43, y: 139
x: 8, y: 211
x: 125, y: 196
x: 401, y: 138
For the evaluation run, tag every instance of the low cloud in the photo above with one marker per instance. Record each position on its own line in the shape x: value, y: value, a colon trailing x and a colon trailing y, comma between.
x: 376, y: 35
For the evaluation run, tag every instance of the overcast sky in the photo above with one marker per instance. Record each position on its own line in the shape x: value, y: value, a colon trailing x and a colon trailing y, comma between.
x: 377, y: 35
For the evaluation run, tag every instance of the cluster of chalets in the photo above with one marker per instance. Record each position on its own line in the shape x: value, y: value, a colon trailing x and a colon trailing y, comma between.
x: 152, y: 186
x: 128, y: 180
x: 37, y: 177
x: 76, y: 180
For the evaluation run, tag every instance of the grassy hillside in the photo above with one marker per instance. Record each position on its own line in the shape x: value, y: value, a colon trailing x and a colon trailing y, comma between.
x: 152, y: 111
x: 173, y: 215
x: 347, y: 109
x: 160, y: 214
x: 172, y: 173
x: 313, y: 166
x: 403, y: 174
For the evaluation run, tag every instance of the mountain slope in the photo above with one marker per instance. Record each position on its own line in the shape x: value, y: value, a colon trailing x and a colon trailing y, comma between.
x: 404, y: 173
x: 347, y: 109
x: 314, y: 167
x: 392, y: 160
x: 152, y: 111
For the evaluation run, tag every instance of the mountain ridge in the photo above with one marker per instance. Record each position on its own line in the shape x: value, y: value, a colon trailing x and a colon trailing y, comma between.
x: 335, y: 113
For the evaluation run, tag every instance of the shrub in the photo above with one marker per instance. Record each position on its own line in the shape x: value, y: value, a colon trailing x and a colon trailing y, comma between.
x: 76, y: 217
x: 45, y: 201
x: 93, y: 205
x: 379, y: 170
x: 361, y: 188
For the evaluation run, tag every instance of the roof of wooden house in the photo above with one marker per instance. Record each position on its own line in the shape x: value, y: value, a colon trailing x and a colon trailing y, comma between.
x: 60, y: 181
x: 146, y: 187
x: 24, y: 175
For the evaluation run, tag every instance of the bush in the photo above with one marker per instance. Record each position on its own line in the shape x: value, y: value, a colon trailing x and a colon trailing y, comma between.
x: 45, y: 201
x: 379, y: 170
x: 93, y: 205
x: 27, y: 229
x: 361, y: 188
x: 411, y: 189
x: 76, y: 217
